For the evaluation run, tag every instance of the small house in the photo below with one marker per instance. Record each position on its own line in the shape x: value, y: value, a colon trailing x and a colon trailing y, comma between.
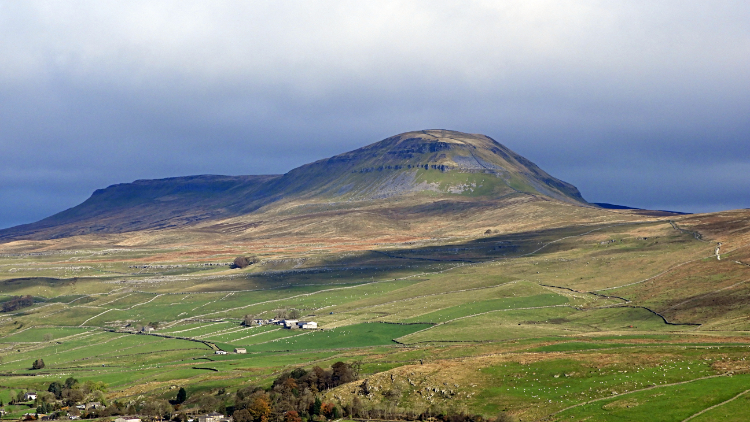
x: 214, y: 417
x: 240, y: 350
x: 147, y: 329
x: 127, y: 419
x: 94, y: 405
x: 30, y: 395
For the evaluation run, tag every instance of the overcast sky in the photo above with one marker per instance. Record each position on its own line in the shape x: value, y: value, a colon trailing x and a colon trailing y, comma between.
x: 642, y: 103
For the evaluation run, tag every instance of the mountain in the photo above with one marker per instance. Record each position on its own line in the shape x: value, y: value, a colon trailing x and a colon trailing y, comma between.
x: 428, y: 164
x: 439, y: 161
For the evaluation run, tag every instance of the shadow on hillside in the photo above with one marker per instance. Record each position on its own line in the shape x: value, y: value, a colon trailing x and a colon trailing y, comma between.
x: 376, y: 264
x: 419, y: 257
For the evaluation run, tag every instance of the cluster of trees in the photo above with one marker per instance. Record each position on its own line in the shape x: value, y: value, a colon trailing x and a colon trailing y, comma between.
x: 17, y: 302
x: 317, y: 379
x: 158, y: 408
x: 294, y: 396
x: 61, y: 398
x: 38, y: 364
x: 15, y: 398
x: 71, y: 392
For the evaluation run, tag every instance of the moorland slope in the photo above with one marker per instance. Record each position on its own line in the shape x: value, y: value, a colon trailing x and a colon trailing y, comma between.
x: 431, y: 164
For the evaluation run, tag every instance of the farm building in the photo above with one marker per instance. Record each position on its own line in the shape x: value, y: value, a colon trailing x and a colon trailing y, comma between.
x: 127, y: 419
x: 220, y: 352
x: 307, y: 325
x: 240, y: 350
x: 214, y: 417
x: 30, y: 395
x: 289, y: 323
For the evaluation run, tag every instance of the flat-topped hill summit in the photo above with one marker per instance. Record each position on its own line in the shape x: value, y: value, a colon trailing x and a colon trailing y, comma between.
x: 439, y: 161
x: 428, y: 164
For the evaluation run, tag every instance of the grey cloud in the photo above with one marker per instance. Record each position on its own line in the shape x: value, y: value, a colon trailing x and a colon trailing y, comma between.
x: 615, y: 97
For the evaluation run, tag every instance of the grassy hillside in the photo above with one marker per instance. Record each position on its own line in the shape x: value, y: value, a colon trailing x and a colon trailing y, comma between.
x: 588, y: 315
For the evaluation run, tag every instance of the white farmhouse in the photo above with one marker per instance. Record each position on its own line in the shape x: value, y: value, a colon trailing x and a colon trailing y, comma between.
x: 127, y: 419
x: 214, y: 417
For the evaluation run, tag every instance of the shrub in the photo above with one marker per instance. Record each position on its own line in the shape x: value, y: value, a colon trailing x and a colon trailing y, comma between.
x: 38, y: 364
x: 242, y: 262
x: 18, y: 302
x: 292, y: 416
x: 56, y: 388
x: 505, y: 417
x: 181, y: 396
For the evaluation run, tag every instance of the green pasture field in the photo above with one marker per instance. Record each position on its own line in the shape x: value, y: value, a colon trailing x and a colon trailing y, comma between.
x: 203, y: 329
x: 70, y: 316
x: 670, y: 403
x: 181, y: 327
x: 42, y: 334
x: 359, y: 335
x: 413, y: 302
x: 734, y: 411
x: 577, y: 346
x: 69, y: 299
x: 96, y: 348
x: 122, y: 300
x: 238, y: 332
x: 480, y: 307
x: 555, y: 384
x: 265, y: 336
x: 553, y: 320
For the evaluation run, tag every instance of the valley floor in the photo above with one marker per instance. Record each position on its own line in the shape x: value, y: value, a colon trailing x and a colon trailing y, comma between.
x: 624, y: 320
